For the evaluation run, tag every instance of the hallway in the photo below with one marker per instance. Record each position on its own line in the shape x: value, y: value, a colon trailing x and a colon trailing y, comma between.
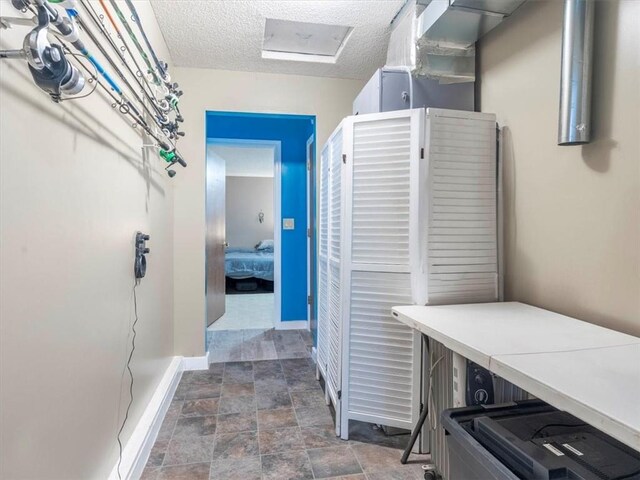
x: 258, y: 344
x: 267, y: 420
x: 248, y: 311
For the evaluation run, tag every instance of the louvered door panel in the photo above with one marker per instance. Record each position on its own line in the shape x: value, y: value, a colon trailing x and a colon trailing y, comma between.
x: 323, y: 214
x: 323, y: 256
x: 335, y: 195
x: 381, y: 356
x: 323, y: 317
x: 380, y: 191
x: 382, y: 351
x: 334, y: 293
x: 334, y: 354
x: 462, y: 257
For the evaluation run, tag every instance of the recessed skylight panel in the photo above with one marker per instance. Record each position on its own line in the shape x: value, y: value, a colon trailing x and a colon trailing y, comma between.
x: 300, y: 38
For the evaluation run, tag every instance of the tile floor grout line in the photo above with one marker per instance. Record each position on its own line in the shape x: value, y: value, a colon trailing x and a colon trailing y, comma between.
x: 349, y: 446
x: 296, y: 340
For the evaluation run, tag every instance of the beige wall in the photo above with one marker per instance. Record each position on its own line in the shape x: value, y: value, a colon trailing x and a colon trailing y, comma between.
x: 245, y: 198
x: 572, y: 213
x: 328, y: 98
x: 74, y: 190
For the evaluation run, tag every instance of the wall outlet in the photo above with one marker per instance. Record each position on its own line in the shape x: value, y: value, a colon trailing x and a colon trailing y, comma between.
x: 288, y: 223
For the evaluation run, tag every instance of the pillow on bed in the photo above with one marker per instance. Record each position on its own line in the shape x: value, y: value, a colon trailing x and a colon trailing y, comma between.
x: 265, y: 246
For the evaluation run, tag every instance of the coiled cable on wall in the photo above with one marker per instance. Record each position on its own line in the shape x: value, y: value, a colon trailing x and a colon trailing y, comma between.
x: 128, y: 367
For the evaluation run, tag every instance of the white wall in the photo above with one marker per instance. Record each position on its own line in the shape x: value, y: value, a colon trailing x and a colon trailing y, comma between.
x: 74, y: 189
x: 329, y: 99
x: 572, y: 213
x: 245, y: 198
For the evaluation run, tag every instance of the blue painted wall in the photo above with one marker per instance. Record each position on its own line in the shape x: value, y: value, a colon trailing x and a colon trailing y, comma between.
x: 292, y: 131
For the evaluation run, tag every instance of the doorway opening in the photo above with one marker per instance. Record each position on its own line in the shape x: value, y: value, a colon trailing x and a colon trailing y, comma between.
x: 258, y: 282
x: 252, y: 242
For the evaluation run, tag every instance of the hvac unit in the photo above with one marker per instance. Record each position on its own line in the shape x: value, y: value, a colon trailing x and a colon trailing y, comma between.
x: 391, y: 89
x: 407, y: 216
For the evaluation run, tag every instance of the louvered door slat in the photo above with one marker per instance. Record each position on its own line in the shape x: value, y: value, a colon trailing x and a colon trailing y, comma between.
x: 461, y: 232
x: 381, y: 353
x: 323, y: 254
x: 331, y: 295
x: 381, y: 170
x: 335, y: 209
x: 323, y: 317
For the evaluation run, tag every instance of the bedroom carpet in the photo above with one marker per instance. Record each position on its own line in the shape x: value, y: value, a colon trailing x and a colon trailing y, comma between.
x: 246, y: 312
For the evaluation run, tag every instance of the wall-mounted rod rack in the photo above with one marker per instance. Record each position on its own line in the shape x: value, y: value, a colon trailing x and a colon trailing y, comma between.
x: 62, y: 65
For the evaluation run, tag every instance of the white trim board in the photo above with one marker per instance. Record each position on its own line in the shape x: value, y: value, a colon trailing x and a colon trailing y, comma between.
x: 137, y: 449
x: 277, y: 234
x: 292, y: 325
x: 196, y: 363
x: 309, y: 238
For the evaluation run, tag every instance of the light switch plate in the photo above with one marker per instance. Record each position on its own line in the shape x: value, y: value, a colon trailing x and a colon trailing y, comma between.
x: 288, y: 223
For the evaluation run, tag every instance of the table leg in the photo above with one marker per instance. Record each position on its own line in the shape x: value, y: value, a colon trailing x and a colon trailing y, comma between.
x: 423, y: 417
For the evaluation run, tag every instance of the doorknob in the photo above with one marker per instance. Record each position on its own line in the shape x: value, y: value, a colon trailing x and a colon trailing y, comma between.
x: 225, y: 244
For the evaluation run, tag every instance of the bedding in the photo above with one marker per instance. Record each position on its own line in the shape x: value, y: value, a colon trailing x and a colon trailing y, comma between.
x: 246, y: 263
x: 266, y: 245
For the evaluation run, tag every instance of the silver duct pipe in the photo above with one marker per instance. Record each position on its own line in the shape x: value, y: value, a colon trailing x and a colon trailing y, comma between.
x: 574, y: 126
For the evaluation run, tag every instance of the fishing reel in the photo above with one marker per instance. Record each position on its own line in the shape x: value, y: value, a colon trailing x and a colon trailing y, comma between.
x: 50, y: 70
x: 171, y: 157
x: 170, y: 129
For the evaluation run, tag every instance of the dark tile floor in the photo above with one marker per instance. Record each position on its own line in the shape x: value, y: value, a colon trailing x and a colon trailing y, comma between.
x: 258, y: 344
x: 267, y: 420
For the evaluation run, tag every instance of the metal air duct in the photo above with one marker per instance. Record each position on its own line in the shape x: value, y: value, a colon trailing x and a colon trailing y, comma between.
x: 574, y: 127
x: 436, y: 38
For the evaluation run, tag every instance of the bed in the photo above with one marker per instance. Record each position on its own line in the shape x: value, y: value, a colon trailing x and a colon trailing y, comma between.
x: 241, y: 263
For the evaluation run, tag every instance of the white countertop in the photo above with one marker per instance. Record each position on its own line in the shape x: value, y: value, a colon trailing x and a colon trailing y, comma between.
x: 589, y: 371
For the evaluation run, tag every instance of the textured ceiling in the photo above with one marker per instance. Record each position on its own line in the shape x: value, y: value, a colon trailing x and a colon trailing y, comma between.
x: 228, y: 34
x: 244, y: 161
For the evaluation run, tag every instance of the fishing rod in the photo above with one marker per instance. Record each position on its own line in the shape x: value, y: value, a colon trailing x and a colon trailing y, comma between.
x: 167, y: 151
x: 93, y: 38
x: 162, y: 106
x: 162, y: 67
x: 119, y: 34
x: 69, y: 33
x: 174, y: 94
x: 66, y: 26
x: 150, y: 97
x: 54, y: 74
x: 170, y: 129
x: 135, y: 41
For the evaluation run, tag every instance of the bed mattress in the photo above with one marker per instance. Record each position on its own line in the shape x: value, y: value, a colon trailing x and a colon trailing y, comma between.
x: 245, y: 263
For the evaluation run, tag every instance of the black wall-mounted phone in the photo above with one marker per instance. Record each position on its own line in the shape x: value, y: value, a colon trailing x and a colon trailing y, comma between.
x: 140, y: 264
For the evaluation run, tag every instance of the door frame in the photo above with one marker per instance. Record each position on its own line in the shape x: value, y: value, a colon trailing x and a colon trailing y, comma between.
x: 213, y: 300
x: 277, y: 214
x: 311, y: 257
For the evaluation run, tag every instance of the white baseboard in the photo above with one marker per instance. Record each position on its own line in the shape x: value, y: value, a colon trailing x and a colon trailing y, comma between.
x: 137, y: 449
x: 195, y: 363
x: 292, y: 325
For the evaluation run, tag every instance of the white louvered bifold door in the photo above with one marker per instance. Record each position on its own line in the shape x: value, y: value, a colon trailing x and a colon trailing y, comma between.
x: 323, y: 266
x: 336, y: 201
x: 461, y: 233
x: 381, y: 356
